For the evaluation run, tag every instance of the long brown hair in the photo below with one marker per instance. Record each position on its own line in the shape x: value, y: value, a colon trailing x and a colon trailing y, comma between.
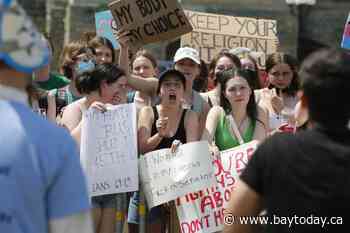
x: 235, y: 60
x: 99, y: 41
x: 283, y: 58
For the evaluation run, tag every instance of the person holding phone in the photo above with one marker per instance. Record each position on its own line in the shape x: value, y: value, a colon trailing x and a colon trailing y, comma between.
x: 280, y: 98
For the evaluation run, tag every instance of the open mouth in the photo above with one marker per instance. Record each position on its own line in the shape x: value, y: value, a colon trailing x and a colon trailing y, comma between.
x: 172, y: 97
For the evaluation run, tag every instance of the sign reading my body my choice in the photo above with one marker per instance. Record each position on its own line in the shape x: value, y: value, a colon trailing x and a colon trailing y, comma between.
x: 150, y: 21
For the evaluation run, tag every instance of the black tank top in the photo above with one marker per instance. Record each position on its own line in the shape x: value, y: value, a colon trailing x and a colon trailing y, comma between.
x: 180, y: 132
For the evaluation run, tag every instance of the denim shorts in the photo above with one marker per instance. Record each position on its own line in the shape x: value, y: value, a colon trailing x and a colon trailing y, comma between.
x: 153, y: 215
x: 104, y: 201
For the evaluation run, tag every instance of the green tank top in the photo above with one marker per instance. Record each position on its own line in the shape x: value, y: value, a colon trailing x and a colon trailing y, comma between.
x: 223, y: 138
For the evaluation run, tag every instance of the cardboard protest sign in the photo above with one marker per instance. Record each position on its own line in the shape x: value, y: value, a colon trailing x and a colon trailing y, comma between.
x: 150, y: 21
x: 203, y: 211
x: 166, y: 176
x: 106, y: 27
x: 109, y: 150
x: 346, y: 36
x: 212, y: 33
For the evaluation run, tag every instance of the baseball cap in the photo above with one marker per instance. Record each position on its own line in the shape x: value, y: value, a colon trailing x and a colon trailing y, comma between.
x: 173, y: 73
x: 22, y: 47
x: 187, y: 52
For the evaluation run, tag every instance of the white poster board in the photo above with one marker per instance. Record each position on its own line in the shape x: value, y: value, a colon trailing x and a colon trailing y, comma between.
x: 203, y: 211
x: 166, y: 176
x: 109, y: 150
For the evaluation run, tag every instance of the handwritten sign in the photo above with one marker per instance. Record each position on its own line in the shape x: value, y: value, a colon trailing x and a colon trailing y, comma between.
x: 106, y: 27
x: 346, y: 36
x: 150, y: 21
x: 203, y: 211
x: 212, y: 33
x: 166, y: 176
x: 109, y: 150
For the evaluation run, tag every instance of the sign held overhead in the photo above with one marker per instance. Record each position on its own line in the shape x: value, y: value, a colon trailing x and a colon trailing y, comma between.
x: 150, y: 21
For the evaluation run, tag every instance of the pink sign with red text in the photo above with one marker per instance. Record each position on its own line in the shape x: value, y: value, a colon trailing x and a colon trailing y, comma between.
x: 202, y: 212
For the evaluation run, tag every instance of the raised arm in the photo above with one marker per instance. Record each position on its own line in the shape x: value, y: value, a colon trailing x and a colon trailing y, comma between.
x: 124, y: 60
x: 148, y: 85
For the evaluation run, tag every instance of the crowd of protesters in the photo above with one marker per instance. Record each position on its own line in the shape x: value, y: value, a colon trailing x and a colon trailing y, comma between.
x: 227, y: 102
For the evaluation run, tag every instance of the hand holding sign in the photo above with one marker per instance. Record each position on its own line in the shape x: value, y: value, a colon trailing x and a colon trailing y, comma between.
x: 214, y: 150
x: 127, y: 40
x: 277, y: 100
x: 99, y: 106
x: 123, y: 37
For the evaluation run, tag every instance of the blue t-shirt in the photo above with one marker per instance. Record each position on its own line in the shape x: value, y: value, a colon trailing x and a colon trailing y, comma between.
x: 40, y: 174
